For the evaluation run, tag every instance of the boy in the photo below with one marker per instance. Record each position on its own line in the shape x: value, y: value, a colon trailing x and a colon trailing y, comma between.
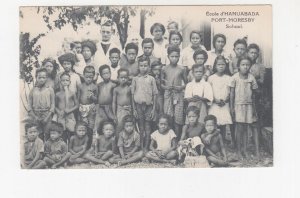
x: 128, y: 60
x: 121, y: 104
x: 56, y: 151
x: 33, y: 148
x: 200, y: 57
x: 239, y: 48
x: 67, y: 61
x: 105, y: 98
x: 87, y: 95
x: 144, y: 93
x: 129, y: 144
x: 114, y: 57
x: 156, y: 68
x: 148, y: 46
x: 174, y: 79
x: 199, y: 93
x: 66, y: 103
x: 76, y: 48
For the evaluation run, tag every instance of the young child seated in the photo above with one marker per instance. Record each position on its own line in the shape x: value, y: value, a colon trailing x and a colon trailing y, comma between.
x: 129, y: 144
x: 163, y: 143
x: 114, y: 57
x: 33, y: 148
x: 128, y: 60
x: 56, y: 150
x: 105, y: 145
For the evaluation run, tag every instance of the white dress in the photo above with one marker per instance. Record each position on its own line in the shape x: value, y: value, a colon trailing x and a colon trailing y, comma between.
x: 221, y: 90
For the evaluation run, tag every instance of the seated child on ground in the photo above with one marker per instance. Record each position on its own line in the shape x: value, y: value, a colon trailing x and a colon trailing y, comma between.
x: 163, y: 143
x: 128, y: 143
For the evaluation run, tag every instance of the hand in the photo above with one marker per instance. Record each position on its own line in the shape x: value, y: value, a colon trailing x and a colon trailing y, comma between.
x: 66, y: 111
x: 177, y: 88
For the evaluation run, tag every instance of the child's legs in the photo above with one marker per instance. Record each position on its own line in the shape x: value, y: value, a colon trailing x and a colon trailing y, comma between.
x: 223, y: 131
x: 254, y: 129
x: 115, y: 159
x: 172, y: 155
x: 40, y: 164
x: 147, y: 134
x: 233, y: 135
x: 217, y: 161
x: 134, y: 158
x: 63, y: 160
x: 49, y: 161
x: 93, y: 159
x: 141, y: 123
x: 107, y: 155
x: 239, y: 131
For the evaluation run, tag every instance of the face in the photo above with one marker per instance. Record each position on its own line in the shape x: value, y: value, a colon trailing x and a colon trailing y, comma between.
x: 78, y: 48
x: 88, y: 77
x: 253, y: 54
x: 239, y: 50
x: 163, y: 125
x: 106, y: 74
x: 131, y: 55
x: 174, y: 57
x: 220, y: 66
x: 195, y: 39
x: 65, y: 80
x: 80, y: 131
x: 143, y: 67
x: 86, y: 53
x: 123, y: 77
x: 108, y: 130
x: 135, y: 41
x: 49, y: 67
x: 198, y: 73
x: 147, y: 49
x: 219, y: 43
x: 41, y: 78
x: 200, y: 59
x: 210, y: 126
x: 156, y: 70
x: 114, y: 59
x: 192, y: 117
x: 106, y: 32
x: 157, y: 33
x: 175, y: 40
x: 172, y: 27
x: 54, y: 135
x: 67, y: 65
x: 32, y: 133
x: 129, y: 127
x: 245, y: 66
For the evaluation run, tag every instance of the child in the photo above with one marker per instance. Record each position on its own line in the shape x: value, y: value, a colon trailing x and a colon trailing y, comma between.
x: 156, y: 68
x: 144, y: 94
x: 42, y: 103
x: 89, y: 49
x: 52, y: 67
x: 188, y: 52
x: 105, y: 98
x: 148, y: 46
x: 67, y: 61
x: 87, y: 95
x: 128, y: 144
x: 56, y: 150
x: 76, y: 48
x: 79, y: 144
x: 199, y: 92
x: 219, y: 42
x: 33, y: 148
x: 114, y: 57
x: 122, y: 104
x: 66, y: 103
x: 242, y: 92
x: 175, y: 39
x: 163, y: 143
x: 221, y: 91
x: 128, y: 60
x: 240, y: 47
x: 173, y: 82
x: 157, y: 31
x: 214, y: 148
x: 105, y: 146
x: 172, y: 26
x: 200, y: 57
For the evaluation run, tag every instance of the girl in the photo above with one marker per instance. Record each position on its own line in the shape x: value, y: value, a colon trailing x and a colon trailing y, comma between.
x: 52, y: 68
x: 157, y: 31
x: 219, y: 42
x: 220, y: 85
x: 89, y: 49
x: 242, y: 90
x: 239, y: 48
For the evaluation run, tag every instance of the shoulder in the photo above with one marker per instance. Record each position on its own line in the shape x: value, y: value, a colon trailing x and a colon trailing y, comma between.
x: 38, y: 141
x: 155, y: 133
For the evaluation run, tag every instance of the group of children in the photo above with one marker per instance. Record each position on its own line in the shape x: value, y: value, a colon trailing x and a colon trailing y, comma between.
x: 160, y: 106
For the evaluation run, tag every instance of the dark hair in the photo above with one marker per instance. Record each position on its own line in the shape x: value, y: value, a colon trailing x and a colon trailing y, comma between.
x: 55, y: 66
x: 173, y: 48
x: 218, y: 36
x: 107, y: 23
x: 123, y: 70
x: 91, y: 45
x: 196, y: 32
x: 196, y: 66
x: 156, y: 63
x: 55, y: 126
x: 80, y: 123
x: 147, y: 40
x: 210, y: 117
x: 240, y: 41
x: 64, y: 74
x: 220, y: 57
x: 107, y: 123
x: 89, y: 69
x: 31, y: 125
x: 132, y: 46
x: 175, y: 33
x: 72, y: 45
x: 114, y: 50
x: 194, y: 109
x: 144, y: 58
x: 162, y: 27
x: 243, y: 58
x: 200, y: 51
x: 165, y: 116
x: 253, y: 46
x: 103, y: 67
x: 40, y: 70
x: 173, y: 22
x: 128, y: 118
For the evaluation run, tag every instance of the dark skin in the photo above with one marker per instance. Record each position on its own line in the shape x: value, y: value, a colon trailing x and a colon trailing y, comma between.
x: 78, y: 145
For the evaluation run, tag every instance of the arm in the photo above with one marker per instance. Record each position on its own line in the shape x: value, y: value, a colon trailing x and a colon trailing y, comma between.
x: 114, y: 102
x: 84, y: 147
x: 132, y: 98
x: 121, y: 150
x: 76, y: 106
x: 94, y: 95
x: 231, y: 104
x: 52, y: 106
x: 114, y: 145
x: 71, y: 144
x: 223, y: 151
x: 48, y: 151
x: 152, y: 143
x: 163, y: 81
x: 183, y: 134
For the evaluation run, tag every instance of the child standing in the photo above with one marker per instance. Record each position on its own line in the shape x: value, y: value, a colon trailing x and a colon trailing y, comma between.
x: 88, y: 51
x: 114, y: 57
x: 156, y: 68
x: 174, y: 79
x: 144, y: 94
x: 128, y: 60
x: 52, y: 68
x: 175, y: 39
x: 199, y: 92
x: 157, y: 31
x: 200, y: 57
x: 42, y: 103
x: 242, y: 93
x: 148, y: 46
x: 163, y: 143
x: 128, y: 144
x: 219, y: 42
x: 239, y: 48
x: 221, y: 91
